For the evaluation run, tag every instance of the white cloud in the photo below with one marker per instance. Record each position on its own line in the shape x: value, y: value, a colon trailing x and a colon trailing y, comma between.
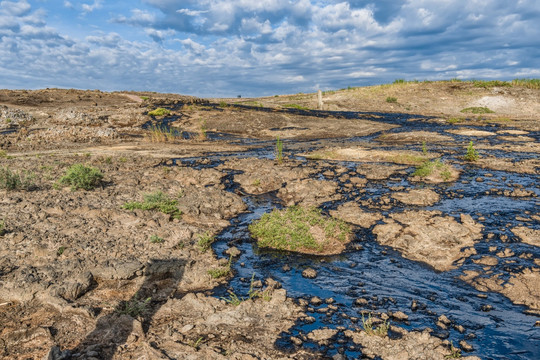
x: 88, y: 8
x: 18, y: 8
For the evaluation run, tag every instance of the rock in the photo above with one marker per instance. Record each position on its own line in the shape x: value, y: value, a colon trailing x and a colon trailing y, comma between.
x: 444, y: 319
x: 316, y: 301
x: 233, y: 251
x: 465, y: 346
x: 286, y: 268
x: 296, y: 341
x: 309, y: 273
x: 352, y: 213
x: 322, y: 336
x: 429, y: 237
x: 486, y: 308
x: 527, y: 235
x: 418, y: 197
x: 361, y: 302
x: 399, y: 315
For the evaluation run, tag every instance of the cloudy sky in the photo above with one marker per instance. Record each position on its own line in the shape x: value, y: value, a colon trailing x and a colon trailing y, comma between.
x: 262, y: 47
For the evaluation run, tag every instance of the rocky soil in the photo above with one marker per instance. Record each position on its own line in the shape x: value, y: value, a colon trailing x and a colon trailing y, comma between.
x: 82, y: 277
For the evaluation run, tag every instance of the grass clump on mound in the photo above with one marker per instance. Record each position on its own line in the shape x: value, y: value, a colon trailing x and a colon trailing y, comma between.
x: 159, y: 112
x: 156, y: 201
x: 478, y: 110
x: 80, y: 176
x: 301, y: 229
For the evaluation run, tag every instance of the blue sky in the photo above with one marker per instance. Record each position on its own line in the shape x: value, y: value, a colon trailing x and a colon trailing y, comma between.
x: 262, y: 47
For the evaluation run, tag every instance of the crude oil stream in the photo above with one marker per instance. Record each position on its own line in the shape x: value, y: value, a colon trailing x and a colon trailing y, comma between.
x: 496, y: 328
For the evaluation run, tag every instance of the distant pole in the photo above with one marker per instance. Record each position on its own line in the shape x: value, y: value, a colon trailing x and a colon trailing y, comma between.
x: 319, y: 98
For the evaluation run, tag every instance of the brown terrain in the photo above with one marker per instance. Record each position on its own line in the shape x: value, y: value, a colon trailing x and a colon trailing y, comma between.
x: 83, y: 277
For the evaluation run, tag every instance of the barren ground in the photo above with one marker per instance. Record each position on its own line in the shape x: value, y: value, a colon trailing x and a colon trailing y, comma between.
x: 81, y: 278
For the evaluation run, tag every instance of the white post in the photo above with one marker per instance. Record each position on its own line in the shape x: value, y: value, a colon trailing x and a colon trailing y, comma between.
x: 319, y: 98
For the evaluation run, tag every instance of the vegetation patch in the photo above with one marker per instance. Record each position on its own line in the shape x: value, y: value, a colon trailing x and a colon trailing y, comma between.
x: 279, y: 150
x: 80, y: 176
x: 134, y: 307
x: 371, y: 328
x: 391, y: 99
x: 527, y: 83
x: 301, y: 229
x: 2, y: 228
x: 472, y: 154
x: 12, y: 180
x: 156, y: 201
x: 159, y: 112
x: 436, y: 171
x: 477, y: 110
x: 205, y: 241
x: 491, y: 83
x: 160, y: 134
x: 296, y: 106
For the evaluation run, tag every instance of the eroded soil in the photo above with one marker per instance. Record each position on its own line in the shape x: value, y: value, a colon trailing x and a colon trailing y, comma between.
x: 450, y: 264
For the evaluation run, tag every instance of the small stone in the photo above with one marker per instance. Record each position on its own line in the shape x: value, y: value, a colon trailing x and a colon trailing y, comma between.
x: 316, y: 301
x: 286, y: 268
x: 479, y: 179
x: 537, y: 324
x: 233, y: 251
x: 360, y: 302
x: 486, y: 308
x: 330, y: 301
x: 445, y: 320
x: 399, y: 315
x: 459, y: 328
x: 309, y: 273
x: 465, y: 346
x: 309, y: 319
x: 187, y: 328
x: 296, y: 341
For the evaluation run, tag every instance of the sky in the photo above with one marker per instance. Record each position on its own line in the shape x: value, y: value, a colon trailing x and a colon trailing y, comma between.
x: 225, y: 48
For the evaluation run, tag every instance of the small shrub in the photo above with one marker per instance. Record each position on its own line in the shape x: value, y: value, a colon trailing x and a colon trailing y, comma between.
x: 380, y: 330
x: 424, y: 148
x: 11, y: 180
x: 391, y: 99
x: 159, y: 133
x: 205, y: 241
x: 471, y: 154
x: 435, y: 167
x: 2, y: 228
x: 154, y: 239
x: 159, y: 112
x: 79, y: 176
x: 477, y: 110
x: 223, y: 104
x: 279, y: 150
x: 156, y: 201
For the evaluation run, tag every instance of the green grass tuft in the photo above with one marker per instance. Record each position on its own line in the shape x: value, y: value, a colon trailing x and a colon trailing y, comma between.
x: 391, y: 99
x: 370, y: 328
x: 296, y: 106
x: 156, y: 201
x: 205, y: 241
x: 79, y: 176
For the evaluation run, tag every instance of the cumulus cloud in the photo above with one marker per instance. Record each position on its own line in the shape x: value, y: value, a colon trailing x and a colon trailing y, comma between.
x: 229, y: 47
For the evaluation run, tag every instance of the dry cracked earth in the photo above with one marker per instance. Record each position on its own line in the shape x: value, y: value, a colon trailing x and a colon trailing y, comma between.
x: 442, y: 266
